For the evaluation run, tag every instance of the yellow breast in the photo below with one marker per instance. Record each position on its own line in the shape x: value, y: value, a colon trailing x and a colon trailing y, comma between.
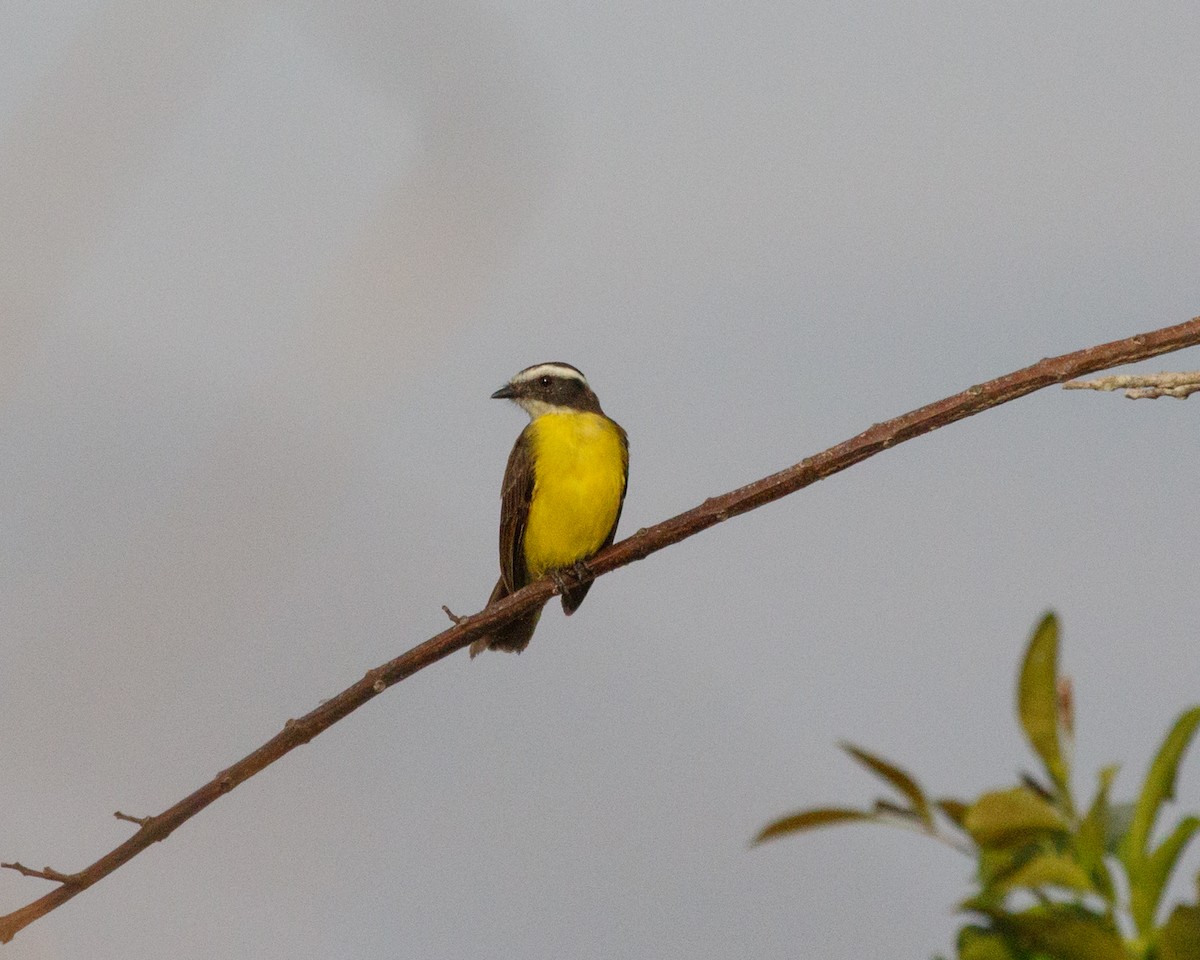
x: 579, y: 462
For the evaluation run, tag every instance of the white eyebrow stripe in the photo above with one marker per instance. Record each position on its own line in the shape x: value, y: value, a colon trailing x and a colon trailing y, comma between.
x: 551, y: 370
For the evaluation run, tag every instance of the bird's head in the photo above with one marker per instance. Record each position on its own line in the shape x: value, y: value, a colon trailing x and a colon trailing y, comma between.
x: 549, y: 388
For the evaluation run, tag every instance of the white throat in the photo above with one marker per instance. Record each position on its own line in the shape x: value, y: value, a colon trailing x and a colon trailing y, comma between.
x: 539, y: 408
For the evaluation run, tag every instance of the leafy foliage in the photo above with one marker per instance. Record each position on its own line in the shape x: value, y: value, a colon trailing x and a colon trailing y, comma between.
x: 1045, y: 884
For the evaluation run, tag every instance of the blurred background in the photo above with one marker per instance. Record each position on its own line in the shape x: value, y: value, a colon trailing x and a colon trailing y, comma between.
x: 261, y: 265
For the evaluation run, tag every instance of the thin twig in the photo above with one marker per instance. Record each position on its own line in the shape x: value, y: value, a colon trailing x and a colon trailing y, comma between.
x: 140, y: 821
x: 649, y: 540
x: 46, y: 873
x: 1148, y: 386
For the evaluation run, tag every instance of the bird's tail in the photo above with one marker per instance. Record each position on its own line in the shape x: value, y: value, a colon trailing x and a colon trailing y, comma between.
x: 513, y: 637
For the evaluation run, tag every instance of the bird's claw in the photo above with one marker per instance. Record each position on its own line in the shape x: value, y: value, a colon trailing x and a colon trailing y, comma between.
x: 579, y: 570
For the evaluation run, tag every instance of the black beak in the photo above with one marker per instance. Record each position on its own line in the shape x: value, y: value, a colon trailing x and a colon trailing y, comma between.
x: 506, y: 392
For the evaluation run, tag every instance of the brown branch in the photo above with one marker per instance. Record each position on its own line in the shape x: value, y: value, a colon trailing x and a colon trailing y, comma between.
x: 643, y: 543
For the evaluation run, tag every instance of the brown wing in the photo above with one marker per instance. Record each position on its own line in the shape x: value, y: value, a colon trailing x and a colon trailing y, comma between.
x: 571, y: 599
x: 515, y: 494
x: 514, y: 513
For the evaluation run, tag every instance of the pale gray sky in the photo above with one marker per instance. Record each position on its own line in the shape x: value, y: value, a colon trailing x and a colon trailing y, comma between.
x: 261, y: 266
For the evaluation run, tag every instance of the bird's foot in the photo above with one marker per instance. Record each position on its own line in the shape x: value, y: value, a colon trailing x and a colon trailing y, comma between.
x: 580, y: 572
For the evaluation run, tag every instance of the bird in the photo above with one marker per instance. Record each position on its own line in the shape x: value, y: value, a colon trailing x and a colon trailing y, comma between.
x: 563, y: 491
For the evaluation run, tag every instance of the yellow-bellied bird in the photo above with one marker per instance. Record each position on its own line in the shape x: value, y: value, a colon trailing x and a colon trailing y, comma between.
x: 563, y: 490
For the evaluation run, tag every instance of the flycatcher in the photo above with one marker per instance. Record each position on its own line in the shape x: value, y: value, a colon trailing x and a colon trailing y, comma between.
x: 563, y: 490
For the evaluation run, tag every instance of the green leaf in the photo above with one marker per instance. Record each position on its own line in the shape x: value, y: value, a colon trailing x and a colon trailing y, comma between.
x: 1163, y: 859
x: 810, y: 820
x: 1005, y: 818
x: 1160, y: 864
x: 1066, y: 933
x: 1037, y: 701
x: 993, y: 948
x: 996, y: 864
x: 898, y: 778
x: 1179, y: 938
x: 1160, y: 782
x: 980, y: 943
x: 1091, y: 837
x: 1049, y: 870
x: 954, y: 810
x: 1146, y: 878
